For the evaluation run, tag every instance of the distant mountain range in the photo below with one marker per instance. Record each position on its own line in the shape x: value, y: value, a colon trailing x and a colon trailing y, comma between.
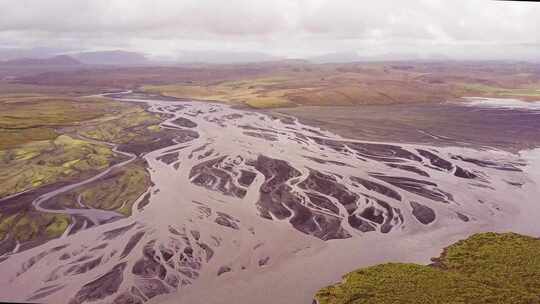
x: 111, y: 58
x: 223, y: 57
x: 64, y: 57
x: 337, y: 57
x: 59, y: 57
x: 15, y: 57
x: 10, y: 53
x: 60, y: 60
x: 352, y: 56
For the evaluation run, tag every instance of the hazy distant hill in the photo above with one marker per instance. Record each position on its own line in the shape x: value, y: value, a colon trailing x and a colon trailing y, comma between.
x: 221, y: 57
x: 111, y: 58
x: 352, y: 56
x: 61, y: 60
x: 339, y: 57
x: 10, y: 53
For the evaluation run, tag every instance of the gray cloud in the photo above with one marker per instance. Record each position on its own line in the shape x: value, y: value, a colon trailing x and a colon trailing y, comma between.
x: 457, y: 28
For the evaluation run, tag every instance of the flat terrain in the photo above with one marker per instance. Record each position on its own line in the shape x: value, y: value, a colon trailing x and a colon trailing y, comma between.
x: 270, y: 198
x: 292, y: 83
x: 361, y: 84
x: 117, y: 187
x: 49, y: 140
x: 446, y: 124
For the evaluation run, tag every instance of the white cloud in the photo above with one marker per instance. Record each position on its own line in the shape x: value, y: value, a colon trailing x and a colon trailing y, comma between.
x: 298, y: 27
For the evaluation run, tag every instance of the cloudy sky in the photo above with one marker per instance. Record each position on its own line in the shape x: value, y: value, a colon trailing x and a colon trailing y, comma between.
x: 471, y: 29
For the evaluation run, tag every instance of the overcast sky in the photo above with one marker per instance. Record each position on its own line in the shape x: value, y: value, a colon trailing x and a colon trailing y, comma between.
x: 477, y: 29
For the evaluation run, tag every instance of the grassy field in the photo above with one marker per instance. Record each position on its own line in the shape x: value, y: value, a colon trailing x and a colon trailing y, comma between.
x: 345, y: 90
x: 532, y: 93
x: 253, y: 92
x: 117, y: 191
x: 28, y: 226
x: 40, y: 144
x: 120, y: 190
x: 121, y: 128
x: 43, y: 141
x: 485, y: 268
x: 27, y: 118
x: 40, y: 163
x: 296, y: 82
x: 358, y: 84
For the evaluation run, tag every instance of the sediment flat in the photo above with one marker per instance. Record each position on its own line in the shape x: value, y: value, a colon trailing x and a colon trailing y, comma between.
x: 275, y: 217
x: 456, y: 123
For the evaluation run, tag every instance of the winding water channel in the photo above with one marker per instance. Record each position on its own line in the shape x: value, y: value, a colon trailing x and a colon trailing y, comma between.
x: 258, y: 205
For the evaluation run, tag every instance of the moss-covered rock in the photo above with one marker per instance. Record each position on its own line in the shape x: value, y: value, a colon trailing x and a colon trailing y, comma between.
x: 57, y: 226
x: 485, y: 268
x: 120, y: 190
x: 40, y: 163
x: 27, y: 226
x: 129, y: 125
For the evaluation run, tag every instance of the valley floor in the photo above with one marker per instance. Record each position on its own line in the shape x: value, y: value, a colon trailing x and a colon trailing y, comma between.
x: 257, y: 207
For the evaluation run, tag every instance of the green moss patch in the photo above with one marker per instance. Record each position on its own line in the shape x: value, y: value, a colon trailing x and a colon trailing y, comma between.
x: 119, y: 191
x: 40, y: 163
x: 46, y: 140
x: 124, y: 127
x: 485, y: 268
x: 57, y: 225
x: 27, y: 225
x: 28, y: 118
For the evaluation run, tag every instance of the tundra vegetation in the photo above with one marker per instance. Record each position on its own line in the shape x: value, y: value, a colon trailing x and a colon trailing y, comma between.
x: 485, y: 268
x: 361, y: 84
x: 48, y: 140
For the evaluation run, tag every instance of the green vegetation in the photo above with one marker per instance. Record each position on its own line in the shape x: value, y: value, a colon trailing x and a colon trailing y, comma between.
x: 44, y: 162
x: 333, y: 90
x: 485, y: 268
x: 14, y: 138
x: 131, y: 123
x: 30, y: 112
x: 6, y: 222
x: 494, y: 91
x: 354, y: 84
x: 118, y: 191
x: 38, y: 137
x: 257, y: 93
x: 30, y: 225
x: 44, y: 140
x: 57, y: 226
x: 27, y: 118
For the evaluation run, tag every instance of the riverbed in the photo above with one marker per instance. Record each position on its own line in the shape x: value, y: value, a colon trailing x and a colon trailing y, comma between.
x: 264, y: 208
